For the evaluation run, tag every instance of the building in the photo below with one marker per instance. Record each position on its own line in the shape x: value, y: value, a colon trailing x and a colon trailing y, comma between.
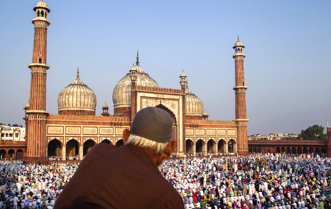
x: 75, y: 129
x: 72, y: 132
x: 12, y: 133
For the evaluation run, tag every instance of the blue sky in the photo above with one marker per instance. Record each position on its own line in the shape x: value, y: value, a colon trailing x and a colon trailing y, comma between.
x: 287, y: 44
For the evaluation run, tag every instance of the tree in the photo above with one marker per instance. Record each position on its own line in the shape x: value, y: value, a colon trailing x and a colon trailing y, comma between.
x: 314, y: 132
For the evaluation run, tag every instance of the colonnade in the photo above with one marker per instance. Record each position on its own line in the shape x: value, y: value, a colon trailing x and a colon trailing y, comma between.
x: 14, y: 153
x: 295, y: 150
x: 72, y: 150
x: 205, y: 147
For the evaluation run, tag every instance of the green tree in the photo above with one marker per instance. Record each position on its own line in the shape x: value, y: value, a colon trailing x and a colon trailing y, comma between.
x: 314, y: 132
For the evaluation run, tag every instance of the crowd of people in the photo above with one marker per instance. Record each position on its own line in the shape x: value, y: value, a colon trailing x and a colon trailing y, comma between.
x: 28, y: 186
x: 257, y: 181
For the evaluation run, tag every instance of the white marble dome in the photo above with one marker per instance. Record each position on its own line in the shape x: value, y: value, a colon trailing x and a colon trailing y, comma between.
x: 122, y: 90
x: 194, y: 106
x: 77, y: 96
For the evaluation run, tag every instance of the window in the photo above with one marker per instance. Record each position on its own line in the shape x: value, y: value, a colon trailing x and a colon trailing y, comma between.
x: 16, y: 135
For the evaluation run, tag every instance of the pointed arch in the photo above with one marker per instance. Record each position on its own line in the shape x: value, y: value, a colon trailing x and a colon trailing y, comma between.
x: 119, y: 143
x: 189, y: 146
x: 231, y: 145
x: 72, y: 148
x: 2, y: 154
x: 174, y: 123
x: 54, y: 148
x: 106, y: 141
x: 88, y: 146
x: 221, y: 146
x: 211, y: 146
x: 199, y: 146
x: 161, y: 106
x: 11, y: 153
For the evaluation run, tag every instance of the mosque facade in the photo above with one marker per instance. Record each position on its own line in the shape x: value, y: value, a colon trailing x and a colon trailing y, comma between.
x: 76, y: 128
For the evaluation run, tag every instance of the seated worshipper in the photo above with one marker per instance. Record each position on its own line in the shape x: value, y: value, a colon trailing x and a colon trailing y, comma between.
x: 127, y: 176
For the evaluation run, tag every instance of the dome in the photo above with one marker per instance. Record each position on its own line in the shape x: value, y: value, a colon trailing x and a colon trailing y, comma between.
x: 194, y: 106
x: 105, y: 106
x: 122, y: 90
x: 77, y: 97
x: 42, y: 4
x: 27, y: 106
x: 238, y: 43
x: 205, y: 114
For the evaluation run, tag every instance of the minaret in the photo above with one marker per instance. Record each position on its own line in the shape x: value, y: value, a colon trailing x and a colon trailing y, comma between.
x: 105, y: 109
x: 133, y: 77
x: 37, y: 141
x: 328, y: 133
x: 183, y: 84
x: 240, y: 89
x: 327, y: 122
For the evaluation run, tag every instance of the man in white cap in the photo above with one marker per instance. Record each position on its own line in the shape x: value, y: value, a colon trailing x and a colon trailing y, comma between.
x: 127, y: 176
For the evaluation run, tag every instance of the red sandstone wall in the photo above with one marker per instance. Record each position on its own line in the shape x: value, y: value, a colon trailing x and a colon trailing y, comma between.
x: 76, y: 112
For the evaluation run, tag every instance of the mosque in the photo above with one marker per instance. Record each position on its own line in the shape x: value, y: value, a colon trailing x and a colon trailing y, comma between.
x: 75, y: 129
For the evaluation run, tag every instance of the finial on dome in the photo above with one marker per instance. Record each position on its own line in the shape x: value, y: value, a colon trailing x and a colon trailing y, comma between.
x: 137, y: 62
x: 77, y: 72
x: 238, y: 37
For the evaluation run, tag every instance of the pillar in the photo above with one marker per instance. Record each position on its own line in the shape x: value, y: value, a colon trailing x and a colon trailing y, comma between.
x: 226, y: 148
x: 204, y: 149
x: 80, y: 152
x: 194, y: 149
x: 64, y: 152
x: 235, y: 147
x: 216, y: 148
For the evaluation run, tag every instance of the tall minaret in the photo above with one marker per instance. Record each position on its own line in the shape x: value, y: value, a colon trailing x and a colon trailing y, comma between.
x: 240, y: 89
x: 37, y: 114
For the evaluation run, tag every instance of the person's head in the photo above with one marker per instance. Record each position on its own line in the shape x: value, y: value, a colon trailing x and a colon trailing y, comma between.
x: 151, y: 129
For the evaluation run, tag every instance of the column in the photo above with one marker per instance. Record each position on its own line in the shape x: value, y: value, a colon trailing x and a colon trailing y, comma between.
x: 216, y: 148
x: 235, y: 148
x: 226, y: 146
x: 64, y: 152
x: 194, y: 149
x: 204, y: 149
x: 81, y: 148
